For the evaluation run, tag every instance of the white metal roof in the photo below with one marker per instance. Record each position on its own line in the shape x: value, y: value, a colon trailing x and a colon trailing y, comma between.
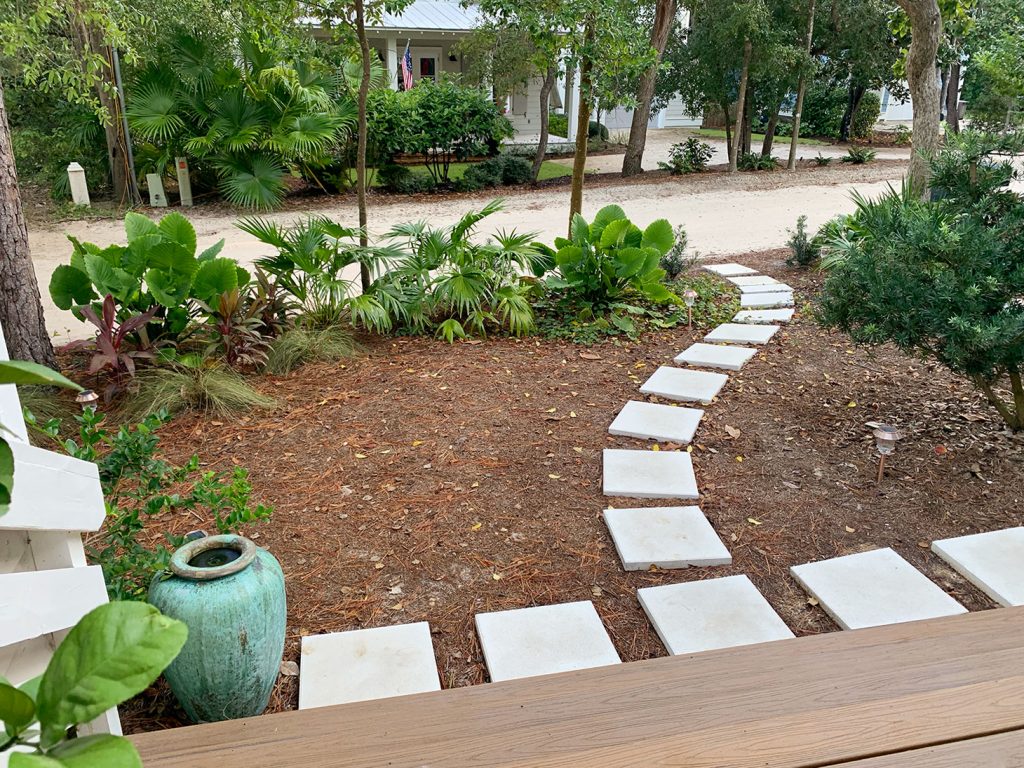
x: 443, y: 15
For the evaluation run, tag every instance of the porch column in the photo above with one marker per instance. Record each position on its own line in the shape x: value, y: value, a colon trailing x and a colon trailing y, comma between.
x: 392, y: 57
x: 572, y: 101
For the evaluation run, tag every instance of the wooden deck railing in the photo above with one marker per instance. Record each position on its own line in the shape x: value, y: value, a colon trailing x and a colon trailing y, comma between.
x: 943, y: 693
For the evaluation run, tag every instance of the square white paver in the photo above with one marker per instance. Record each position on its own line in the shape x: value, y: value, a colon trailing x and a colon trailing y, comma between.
x: 716, y: 356
x: 873, y: 588
x: 364, y: 664
x: 730, y: 269
x: 769, y: 288
x: 714, y: 613
x: 668, y: 537
x: 652, y: 421
x: 764, y: 316
x: 741, y: 333
x: 544, y: 640
x: 766, y: 300
x: 683, y: 384
x: 753, y: 280
x: 993, y: 562
x: 649, y: 474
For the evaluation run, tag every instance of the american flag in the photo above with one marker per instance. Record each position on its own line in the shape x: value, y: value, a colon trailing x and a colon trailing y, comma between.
x: 407, y: 67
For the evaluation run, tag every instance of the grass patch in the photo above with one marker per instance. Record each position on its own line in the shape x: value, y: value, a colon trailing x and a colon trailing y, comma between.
x: 306, y: 345
x: 719, y: 133
x: 215, y: 390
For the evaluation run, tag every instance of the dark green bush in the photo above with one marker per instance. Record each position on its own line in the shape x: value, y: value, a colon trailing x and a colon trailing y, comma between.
x: 558, y: 125
x: 515, y: 170
x: 690, y: 156
x: 597, y: 130
x: 804, y: 251
x: 823, y: 110
x: 403, y: 180
x: 481, y: 176
x: 755, y: 161
x: 866, y: 115
x: 858, y: 155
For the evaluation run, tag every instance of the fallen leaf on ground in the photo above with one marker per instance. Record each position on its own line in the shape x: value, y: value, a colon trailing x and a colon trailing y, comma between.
x: 733, y: 432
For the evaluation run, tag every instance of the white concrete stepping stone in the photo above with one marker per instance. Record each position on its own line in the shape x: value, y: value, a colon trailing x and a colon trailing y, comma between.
x: 730, y: 269
x: 770, y: 288
x: 766, y: 300
x: 649, y: 474
x: 764, y: 316
x: 668, y: 537
x: 741, y: 333
x: 683, y: 384
x: 993, y: 562
x: 753, y: 280
x: 544, y: 640
x: 714, y: 613
x: 365, y: 664
x: 716, y: 356
x: 873, y: 588
x: 652, y: 421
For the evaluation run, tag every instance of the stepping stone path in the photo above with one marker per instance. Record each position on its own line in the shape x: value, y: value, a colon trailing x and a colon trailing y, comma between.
x: 993, y: 562
x: 753, y: 280
x: 716, y: 356
x: 714, y: 613
x: 683, y: 384
x: 766, y: 300
x: 730, y: 269
x: 668, y: 537
x: 870, y: 589
x: 651, y: 421
x: 765, y: 288
x: 364, y: 664
x: 649, y: 474
x: 544, y: 640
x: 763, y: 316
x: 742, y: 333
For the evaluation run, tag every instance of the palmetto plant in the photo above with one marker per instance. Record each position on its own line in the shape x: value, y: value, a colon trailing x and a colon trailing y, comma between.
x: 446, y: 283
x: 252, y: 119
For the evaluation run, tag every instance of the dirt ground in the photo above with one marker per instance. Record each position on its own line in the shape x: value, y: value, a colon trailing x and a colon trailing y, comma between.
x: 423, y: 482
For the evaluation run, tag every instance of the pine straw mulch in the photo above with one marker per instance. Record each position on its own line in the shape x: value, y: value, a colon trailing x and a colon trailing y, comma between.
x: 427, y: 482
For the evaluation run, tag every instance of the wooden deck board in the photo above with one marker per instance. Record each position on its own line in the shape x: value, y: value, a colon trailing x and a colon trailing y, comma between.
x: 1003, y: 750
x: 798, y: 703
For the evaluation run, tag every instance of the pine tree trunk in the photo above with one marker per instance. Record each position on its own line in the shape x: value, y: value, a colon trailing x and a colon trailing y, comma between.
x: 21, y: 312
x: 579, y: 163
x: 740, y: 105
x: 769, y: 131
x: 632, y: 162
x: 953, y: 98
x: 926, y: 32
x: 364, y: 90
x: 801, y: 89
x: 545, y: 97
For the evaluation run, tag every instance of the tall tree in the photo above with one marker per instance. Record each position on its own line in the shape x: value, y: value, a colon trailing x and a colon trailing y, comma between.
x: 21, y: 312
x: 741, y: 104
x: 664, y: 15
x: 801, y: 89
x: 926, y: 34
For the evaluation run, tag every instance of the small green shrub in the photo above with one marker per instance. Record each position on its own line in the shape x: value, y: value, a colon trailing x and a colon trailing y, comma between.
x: 596, y: 130
x: 823, y: 110
x: 194, y: 385
x: 822, y: 161
x: 302, y: 345
x: 859, y: 155
x: 515, y: 170
x: 494, y: 171
x: 676, y: 262
x: 804, y: 250
x: 690, y: 156
x: 755, y: 161
x: 901, y: 135
x: 866, y: 115
x: 403, y: 180
x: 558, y: 125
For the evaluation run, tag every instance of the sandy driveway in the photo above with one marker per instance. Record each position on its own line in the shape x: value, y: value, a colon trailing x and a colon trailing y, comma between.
x: 722, y: 215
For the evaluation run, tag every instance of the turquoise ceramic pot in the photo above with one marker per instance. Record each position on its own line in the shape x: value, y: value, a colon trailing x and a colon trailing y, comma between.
x: 230, y: 594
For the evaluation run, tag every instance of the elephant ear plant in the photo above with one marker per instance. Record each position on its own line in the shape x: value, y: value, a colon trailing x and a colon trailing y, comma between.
x: 114, y: 652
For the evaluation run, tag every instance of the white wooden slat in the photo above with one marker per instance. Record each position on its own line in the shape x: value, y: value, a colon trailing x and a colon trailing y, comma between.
x: 35, y: 603
x: 10, y: 407
x: 53, y: 492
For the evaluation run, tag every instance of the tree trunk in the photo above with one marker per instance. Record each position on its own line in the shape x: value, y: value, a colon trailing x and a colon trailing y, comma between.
x: 664, y: 15
x: 21, y: 312
x: 769, y: 131
x: 579, y: 162
x: 943, y: 81
x: 856, y: 93
x: 953, y: 98
x: 801, y: 89
x: 926, y: 32
x: 748, y: 48
x: 545, y: 97
x: 364, y: 90
x: 748, y: 119
x: 728, y: 134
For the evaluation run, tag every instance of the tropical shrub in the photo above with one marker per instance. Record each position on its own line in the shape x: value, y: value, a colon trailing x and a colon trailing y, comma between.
x: 114, y: 652
x: 596, y: 130
x: 494, y: 171
x: 804, y: 250
x: 251, y: 117
x: 676, y: 262
x: 941, y: 280
x: 690, y: 156
x: 113, y: 353
x: 866, y: 115
x: 401, y: 179
x: 823, y: 110
x: 441, y: 281
x: 821, y: 160
x: 858, y: 155
x: 558, y: 125
x: 139, y: 485
x: 755, y: 161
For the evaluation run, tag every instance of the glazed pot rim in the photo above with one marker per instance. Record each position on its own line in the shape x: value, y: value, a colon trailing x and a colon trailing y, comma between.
x: 180, y: 560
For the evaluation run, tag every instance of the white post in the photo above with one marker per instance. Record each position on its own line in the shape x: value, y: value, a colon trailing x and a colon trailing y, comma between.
x: 392, y: 56
x: 157, y: 198
x: 184, y: 182
x: 79, y: 187
x: 573, y: 107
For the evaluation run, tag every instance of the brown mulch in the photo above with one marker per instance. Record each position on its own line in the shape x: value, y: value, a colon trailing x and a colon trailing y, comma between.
x: 427, y: 482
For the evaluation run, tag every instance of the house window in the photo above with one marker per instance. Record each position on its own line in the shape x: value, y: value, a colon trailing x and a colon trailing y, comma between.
x: 428, y: 67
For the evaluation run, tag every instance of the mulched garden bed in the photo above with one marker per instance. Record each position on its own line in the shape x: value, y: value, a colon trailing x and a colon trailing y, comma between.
x: 427, y: 482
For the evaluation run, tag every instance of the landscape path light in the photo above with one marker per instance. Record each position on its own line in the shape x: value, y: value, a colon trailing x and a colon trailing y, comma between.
x: 885, y: 441
x: 689, y: 296
x: 86, y: 397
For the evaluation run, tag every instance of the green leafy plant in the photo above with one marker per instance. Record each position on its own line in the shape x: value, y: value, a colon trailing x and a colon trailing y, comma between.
x: 113, y: 653
x: 113, y: 353
x: 501, y: 169
x: 403, y: 180
x: 858, y: 155
x: 558, y: 125
x: 676, y: 261
x: 234, y: 329
x: 822, y: 161
x: 804, y: 251
x: 901, y: 135
x: 139, y: 485
x: 755, y: 161
x: 690, y: 156
x: 941, y: 279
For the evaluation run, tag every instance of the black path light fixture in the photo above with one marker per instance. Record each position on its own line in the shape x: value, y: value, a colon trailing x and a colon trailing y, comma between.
x: 885, y: 441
